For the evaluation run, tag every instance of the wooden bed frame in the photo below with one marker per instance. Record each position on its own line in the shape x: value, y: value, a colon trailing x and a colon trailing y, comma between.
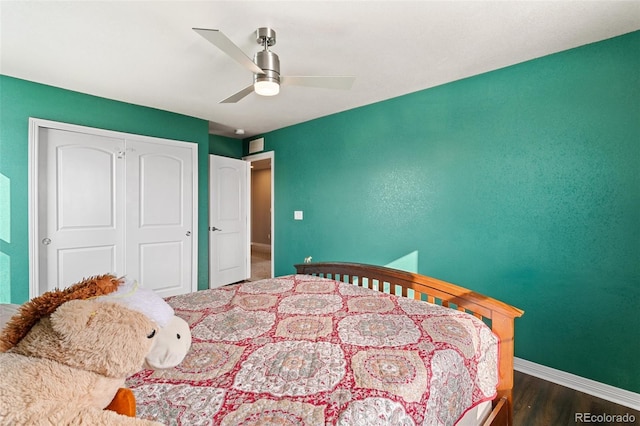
x: 498, y: 315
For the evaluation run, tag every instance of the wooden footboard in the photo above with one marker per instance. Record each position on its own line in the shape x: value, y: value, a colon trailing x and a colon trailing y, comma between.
x: 498, y: 315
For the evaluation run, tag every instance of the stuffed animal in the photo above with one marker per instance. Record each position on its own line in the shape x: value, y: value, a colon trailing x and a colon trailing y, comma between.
x: 66, y: 365
x: 173, y: 336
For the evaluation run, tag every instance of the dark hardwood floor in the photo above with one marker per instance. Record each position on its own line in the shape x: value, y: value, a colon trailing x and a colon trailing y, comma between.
x: 537, y: 402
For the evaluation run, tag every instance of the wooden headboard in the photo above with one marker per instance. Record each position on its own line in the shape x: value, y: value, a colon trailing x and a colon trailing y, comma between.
x: 498, y: 315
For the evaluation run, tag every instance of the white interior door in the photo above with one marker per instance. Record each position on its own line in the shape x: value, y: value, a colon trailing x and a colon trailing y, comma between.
x: 229, y: 245
x: 110, y: 202
x: 159, y: 220
x: 81, y: 207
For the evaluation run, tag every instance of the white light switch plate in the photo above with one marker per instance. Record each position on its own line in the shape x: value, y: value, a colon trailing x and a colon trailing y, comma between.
x: 297, y: 215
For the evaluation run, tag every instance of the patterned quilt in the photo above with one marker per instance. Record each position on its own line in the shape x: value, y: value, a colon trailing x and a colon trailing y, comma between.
x: 303, y: 350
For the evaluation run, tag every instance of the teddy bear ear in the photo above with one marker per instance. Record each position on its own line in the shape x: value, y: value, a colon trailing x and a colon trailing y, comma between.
x: 74, y: 315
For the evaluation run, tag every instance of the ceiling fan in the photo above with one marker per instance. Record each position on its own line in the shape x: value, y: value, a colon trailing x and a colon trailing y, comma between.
x: 265, y: 66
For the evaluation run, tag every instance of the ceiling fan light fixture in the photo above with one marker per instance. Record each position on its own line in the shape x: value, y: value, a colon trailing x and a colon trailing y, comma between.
x: 267, y: 83
x: 266, y: 87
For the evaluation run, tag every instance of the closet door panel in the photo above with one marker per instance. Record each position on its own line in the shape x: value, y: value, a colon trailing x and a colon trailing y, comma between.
x: 159, y: 216
x: 81, y: 200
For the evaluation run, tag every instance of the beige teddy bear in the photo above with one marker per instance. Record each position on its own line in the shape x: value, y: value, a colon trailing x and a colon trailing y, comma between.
x: 65, y: 367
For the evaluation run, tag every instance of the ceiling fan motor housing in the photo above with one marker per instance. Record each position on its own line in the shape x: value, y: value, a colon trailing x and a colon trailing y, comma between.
x: 270, y: 65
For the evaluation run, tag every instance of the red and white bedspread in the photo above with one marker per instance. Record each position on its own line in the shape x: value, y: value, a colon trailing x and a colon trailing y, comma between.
x: 303, y: 350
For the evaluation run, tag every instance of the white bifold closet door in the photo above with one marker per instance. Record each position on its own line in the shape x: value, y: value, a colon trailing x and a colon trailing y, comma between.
x: 114, y: 203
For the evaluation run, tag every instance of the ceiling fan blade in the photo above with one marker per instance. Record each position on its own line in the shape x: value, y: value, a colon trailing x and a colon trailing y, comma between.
x: 343, y: 82
x: 222, y: 42
x: 237, y: 96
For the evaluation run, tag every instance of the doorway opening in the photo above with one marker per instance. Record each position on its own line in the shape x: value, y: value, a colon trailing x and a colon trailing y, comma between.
x: 262, y: 178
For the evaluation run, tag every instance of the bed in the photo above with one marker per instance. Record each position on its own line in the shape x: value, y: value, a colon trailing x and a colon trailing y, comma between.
x: 341, y: 344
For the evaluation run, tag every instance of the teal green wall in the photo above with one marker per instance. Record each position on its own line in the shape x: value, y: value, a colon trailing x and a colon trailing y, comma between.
x: 523, y: 184
x: 19, y: 100
x: 224, y: 146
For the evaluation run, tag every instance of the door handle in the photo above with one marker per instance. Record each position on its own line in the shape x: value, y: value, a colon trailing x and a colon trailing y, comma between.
x: 213, y: 228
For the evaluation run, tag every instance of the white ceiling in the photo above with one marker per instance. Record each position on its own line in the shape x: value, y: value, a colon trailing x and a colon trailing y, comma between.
x: 146, y: 53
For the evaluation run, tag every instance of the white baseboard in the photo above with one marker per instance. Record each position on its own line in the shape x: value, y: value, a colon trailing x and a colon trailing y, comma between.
x: 591, y: 387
